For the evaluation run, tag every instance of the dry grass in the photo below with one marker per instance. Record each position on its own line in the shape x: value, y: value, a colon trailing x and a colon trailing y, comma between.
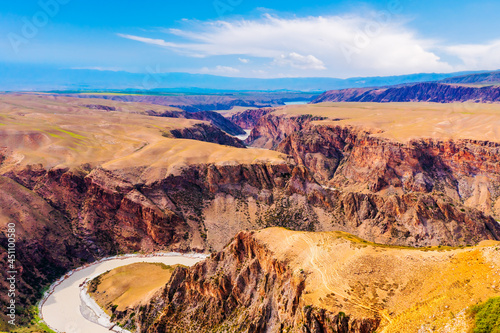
x: 406, y: 121
x: 131, y: 286
x: 60, y: 132
x: 411, y: 289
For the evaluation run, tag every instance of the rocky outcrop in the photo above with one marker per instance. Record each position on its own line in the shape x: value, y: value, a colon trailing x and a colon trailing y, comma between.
x: 243, y: 288
x: 100, y: 107
x: 207, y: 133
x: 66, y: 217
x: 270, y: 129
x: 213, y: 117
x: 343, y: 156
x: 391, y: 192
x: 248, y: 118
x: 115, y: 211
x: 421, y: 92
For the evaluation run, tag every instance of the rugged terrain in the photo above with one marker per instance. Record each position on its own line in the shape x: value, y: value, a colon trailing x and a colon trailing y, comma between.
x: 277, y: 280
x: 79, y: 190
x: 213, y: 117
x: 200, y: 102
x: 420, y: 92
x: 127, y: 181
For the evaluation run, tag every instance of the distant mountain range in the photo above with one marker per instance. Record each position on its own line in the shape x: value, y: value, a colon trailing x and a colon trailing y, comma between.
x: 16, y: 77
x: 477, y: 78
x: 467, y: 88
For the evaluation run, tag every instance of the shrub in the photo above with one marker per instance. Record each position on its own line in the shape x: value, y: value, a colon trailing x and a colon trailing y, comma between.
x: 487, y: 316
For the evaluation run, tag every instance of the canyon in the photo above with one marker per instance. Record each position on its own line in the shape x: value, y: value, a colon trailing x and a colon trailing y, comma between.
x: 137, y: 180
x: 277, y: 280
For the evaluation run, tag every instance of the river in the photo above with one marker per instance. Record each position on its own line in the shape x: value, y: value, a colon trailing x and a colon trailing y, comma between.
x: 67, y: 308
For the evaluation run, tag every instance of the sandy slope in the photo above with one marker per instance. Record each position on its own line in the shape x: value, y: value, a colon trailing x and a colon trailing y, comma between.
x: 410, y: 289
x: 63, y: 132
x: 406, y: 121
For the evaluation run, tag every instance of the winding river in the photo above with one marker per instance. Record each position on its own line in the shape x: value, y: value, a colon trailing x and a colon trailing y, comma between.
x: 67, y: 307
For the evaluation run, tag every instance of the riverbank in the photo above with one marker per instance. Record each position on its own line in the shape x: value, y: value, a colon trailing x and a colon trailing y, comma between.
x: 66, y: 306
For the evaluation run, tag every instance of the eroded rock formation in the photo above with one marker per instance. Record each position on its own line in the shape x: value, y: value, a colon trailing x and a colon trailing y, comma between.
x: 243, y: 288
x: 420, y: 92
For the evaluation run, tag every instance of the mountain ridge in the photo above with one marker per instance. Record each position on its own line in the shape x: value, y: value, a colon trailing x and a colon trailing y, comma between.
x: 38, y: 78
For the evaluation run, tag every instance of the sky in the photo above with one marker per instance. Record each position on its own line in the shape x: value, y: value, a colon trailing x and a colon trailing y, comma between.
x: 254, y: 38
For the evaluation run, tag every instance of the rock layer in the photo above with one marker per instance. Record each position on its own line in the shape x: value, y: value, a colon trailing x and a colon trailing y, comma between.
x: 207, y: 133
x: 213, y: 117
x: 242, y: 289
x: 420, y: 92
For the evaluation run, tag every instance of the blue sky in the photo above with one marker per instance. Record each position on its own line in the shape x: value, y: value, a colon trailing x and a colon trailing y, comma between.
x: 254, y: 38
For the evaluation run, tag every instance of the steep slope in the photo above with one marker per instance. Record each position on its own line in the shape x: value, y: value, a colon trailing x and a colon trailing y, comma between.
x: 248, y: 118
x: 45, y: 246
x: 276, y: 280
x: 81, y: 184
x: 207, y: 133
x: 388, y: 190
x: 421, y: 92
x: 213, y: 117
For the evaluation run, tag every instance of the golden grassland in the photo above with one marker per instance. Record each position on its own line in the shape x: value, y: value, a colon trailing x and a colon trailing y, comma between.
x: 412, y: 290
x: 61, y: 132
x: 130, y: 286
x: 406, y: 121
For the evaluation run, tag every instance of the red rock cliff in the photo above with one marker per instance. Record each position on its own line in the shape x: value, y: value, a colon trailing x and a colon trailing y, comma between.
x: 242, y: 289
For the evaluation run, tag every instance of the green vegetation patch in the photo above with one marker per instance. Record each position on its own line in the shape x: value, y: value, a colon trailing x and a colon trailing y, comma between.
x: 36, y: 325
x: 487, y: 316
x: 74, y: 135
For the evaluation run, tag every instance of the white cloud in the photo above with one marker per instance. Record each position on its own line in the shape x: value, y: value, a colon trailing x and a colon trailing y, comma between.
x: 339, y: 46
x: 296, y: 60
x: 220, y: 70
x: 477, y: 56
x: 159, y: 42
x: 243, y: 60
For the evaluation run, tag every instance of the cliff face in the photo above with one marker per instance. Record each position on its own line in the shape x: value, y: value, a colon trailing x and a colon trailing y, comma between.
x: 243, y: 288
x: 421, y: 92
x: 422, y: 192
x: 270, y: 130
x: 45, y: 246
x: 354, y: 157
x: 207, y: 133
x: 100, y: 107
x: 66, y: 217
x: 277, y: 280
x: 115, y: 211
x: 248, y: 119
x: 213, y: 117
